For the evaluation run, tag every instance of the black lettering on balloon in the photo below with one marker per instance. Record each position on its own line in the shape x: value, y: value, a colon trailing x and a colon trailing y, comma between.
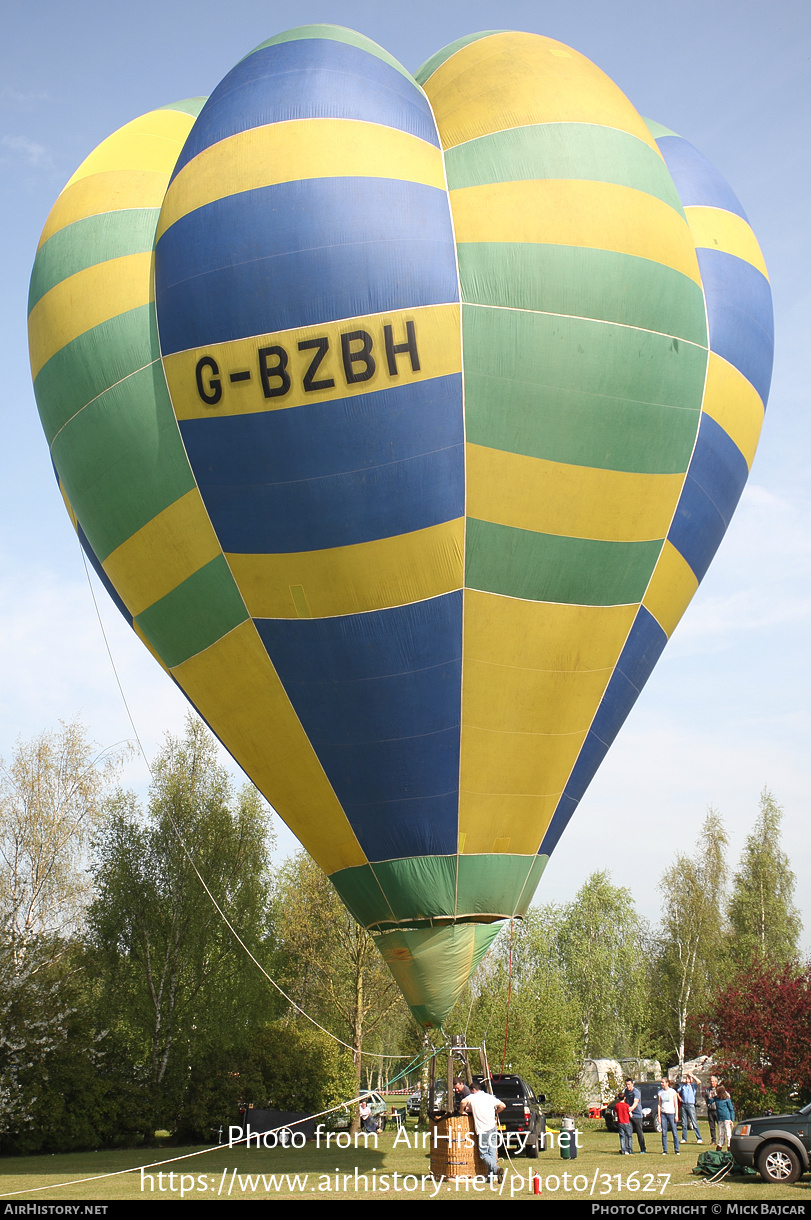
x: 270, y: 372
x: 321, y: 347
x: 362, y: 356
x: 393, y: 350
x: 211, y: 393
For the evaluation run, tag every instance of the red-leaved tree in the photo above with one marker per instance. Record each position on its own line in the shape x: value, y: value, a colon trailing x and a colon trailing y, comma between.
x: 760, y: 1027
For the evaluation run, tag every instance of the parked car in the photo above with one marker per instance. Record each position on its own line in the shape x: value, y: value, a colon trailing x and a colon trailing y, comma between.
x: 778, y: 1146
x: 649, y: 1096
x: 413, y: 1104
x: 523, y: 1121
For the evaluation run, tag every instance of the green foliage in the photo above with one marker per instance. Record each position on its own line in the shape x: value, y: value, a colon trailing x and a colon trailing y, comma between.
x: 61, y: 1078
x: 330, y: 964
x: 294, y: 1066
x: 604, y: 950
x: 764, y: 922
x: 543, y: 1042
x: 174, y: 977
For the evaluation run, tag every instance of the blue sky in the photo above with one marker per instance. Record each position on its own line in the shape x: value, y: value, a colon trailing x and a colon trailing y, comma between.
x: 726, y: 711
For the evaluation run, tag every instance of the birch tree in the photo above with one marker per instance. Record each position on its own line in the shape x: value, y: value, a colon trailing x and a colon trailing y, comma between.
x: 692, y: 934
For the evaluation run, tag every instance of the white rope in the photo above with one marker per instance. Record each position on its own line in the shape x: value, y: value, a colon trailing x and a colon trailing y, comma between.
x: 184, y: 1156
x: 215, y: 904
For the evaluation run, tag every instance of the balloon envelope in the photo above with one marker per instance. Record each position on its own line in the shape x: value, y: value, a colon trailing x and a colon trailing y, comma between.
x: 412, y: 461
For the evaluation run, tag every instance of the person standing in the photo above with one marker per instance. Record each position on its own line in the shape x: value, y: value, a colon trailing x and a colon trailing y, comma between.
x: 633, y: 1100
x: 689, y: 1122
x: 712, y: 1112
x: 669, y: 1114
x: 623, y: 1116
x: 485, y: 1108
x: 726, y: 1118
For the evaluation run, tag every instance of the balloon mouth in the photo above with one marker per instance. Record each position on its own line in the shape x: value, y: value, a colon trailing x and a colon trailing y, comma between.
x: 432, y: 964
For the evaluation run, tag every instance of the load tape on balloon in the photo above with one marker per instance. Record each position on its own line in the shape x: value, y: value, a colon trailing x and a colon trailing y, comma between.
x: 401, y: 417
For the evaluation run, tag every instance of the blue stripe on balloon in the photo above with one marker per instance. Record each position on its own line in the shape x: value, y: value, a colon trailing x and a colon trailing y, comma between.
x: 642, y: 650
x: 299, y: 254
x: 714, y: 483
x: 378, y: 696
x: 309, y: 79
x: 332, y: 473
x: 329, y: 475
x: 739, y: 312
x: 697, y: 181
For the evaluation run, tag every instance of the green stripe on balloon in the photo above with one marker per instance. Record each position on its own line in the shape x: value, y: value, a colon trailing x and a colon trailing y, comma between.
x: 90, y: 241
x: 121, y: 459
x: 550, y: 568
x: 568, y: 151
x: 581, y: 392
x: 334, y: 33
x: 582, y: 282
x: 389, y: 892
x: 195, y: 615
x: 92, y: 363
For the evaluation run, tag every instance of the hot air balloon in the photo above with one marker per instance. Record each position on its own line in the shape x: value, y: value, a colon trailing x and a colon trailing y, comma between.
x: 402, y: 417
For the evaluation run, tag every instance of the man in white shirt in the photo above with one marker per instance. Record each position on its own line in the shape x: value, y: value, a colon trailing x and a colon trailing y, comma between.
x: 485, y: 1107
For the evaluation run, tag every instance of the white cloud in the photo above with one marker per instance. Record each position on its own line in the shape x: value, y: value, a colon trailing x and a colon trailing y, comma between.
x: 34, y: 154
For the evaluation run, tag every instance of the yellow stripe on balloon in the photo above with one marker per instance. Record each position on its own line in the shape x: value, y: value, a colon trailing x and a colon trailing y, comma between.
x: 717, y: 229
x: 151, y: 142
x: 353, y: 579
x: 734, y: 404
x: 499, y: 772
x: 513, y: 766
x: 597, y: 215
x: 485, y: 812
x: 85, y: 300
x: 513, y: 80
x: 248, y: 709
x: 295, y: 151
x: 113, y: 192
x: 438, y: 342
x: 671, y: 588
x: 163, y: 553
x: 571, y: 501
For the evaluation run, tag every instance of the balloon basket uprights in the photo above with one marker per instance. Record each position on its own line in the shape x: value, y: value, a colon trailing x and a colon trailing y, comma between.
x: 454, y: 1148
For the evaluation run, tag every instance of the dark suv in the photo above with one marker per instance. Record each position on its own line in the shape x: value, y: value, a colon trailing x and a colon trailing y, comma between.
x: 649, y: 1099
x: 778, y: 1146
x: 522, y: 1121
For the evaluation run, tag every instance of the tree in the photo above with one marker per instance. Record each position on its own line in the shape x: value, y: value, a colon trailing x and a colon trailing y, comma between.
x: 760, y: 1024
x: 175, y: 977
x: 764, y: 922
x: 51, y: 799
x: 602, y: 945
x: 330, y: 963
x: 535, y: 1030
x: 691, y: 940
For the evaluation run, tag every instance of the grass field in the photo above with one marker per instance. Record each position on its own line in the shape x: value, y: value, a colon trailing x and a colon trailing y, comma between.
x: 395, y: 1169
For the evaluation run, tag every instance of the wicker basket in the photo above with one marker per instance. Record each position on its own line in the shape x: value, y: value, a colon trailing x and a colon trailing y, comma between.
x: 455, y: 1149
